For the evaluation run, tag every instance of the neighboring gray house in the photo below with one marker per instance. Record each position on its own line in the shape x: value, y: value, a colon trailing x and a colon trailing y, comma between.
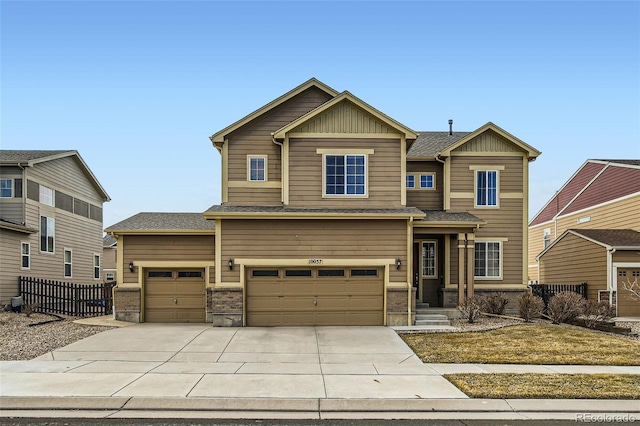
x: 50, y: 219
x: 109, y: 258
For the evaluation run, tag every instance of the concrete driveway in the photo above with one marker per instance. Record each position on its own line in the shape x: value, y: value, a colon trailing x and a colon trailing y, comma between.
x: 200, y: 361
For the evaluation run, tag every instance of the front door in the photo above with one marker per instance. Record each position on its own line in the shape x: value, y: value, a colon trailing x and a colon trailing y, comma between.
x: 428, y: 269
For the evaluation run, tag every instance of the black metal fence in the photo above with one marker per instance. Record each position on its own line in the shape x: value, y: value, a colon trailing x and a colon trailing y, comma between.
x: 78, y: 300
x: 546, y: 291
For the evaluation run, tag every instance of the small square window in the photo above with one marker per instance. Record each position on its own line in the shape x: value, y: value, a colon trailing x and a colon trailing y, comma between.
x: 46, y: 195
x: 426, y: 181
x: 622, y: 273
x: 411, y: 181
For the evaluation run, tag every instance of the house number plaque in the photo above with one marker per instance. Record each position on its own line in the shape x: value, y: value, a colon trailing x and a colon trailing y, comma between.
x: 315, y: 261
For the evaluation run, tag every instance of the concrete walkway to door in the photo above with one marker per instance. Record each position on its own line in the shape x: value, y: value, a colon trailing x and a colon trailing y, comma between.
x: 200, y: 361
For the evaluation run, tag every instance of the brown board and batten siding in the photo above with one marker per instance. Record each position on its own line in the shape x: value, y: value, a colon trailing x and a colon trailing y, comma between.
x: 169, y: 248
x: 505, y: 221
x: 574, y: 260
x: 306, y: 239
x: 426, y: 199
x: 383, y: 172
x: 254, y: 138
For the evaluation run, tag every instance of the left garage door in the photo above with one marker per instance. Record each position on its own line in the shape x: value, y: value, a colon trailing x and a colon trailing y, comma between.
x: 174, y: 295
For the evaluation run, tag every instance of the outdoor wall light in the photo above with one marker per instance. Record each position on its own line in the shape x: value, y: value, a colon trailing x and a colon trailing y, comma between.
x: 230, y: 264
x: 398, y: 263
x: 131, y: 266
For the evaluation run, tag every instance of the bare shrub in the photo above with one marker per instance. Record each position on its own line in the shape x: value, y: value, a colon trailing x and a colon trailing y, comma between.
x: 565, y: 306
x: 495, y: 303
x: 30, y: 308
x: 530, y: 306
x: 471, y: 308
x: 596, y: 312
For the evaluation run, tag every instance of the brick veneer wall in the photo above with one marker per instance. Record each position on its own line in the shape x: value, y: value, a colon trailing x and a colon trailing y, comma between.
x: 126, y: 304
x: 397, y: 306
x: 224, y: 307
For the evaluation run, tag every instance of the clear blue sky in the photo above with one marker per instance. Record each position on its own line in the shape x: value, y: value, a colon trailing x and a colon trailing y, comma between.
x: 137, y: 87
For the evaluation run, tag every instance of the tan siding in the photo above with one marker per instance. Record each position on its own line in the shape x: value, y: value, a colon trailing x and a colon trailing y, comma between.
x: 10, y: 264
x: 344, y: 118
x: 627, y: 256
x: 426, y: 199
x: 384, y: 172
x: 306, y: 239
x: 60, y: 174
x: 138, y: 248
x: 255, y: 138
x: 254, y: 196
x: 620, y: 214
x: 109, y: 261
x: 12, y: 209
x: 575, y: 260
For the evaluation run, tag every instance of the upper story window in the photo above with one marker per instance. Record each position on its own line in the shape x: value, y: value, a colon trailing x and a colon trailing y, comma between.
x: 345, y: 175
x: 6, y: 188
x: 546, y: 237
x: 46, y: 195
x: 257, y: 168
x: 426, y: 181
x: 486, y: 187
x: 47, y: 234
x: 411, y: 181
x: 488, y: 257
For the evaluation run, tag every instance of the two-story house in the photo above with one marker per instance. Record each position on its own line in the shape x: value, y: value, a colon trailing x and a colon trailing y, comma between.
x: 333, y: 213
x: 589, y: 231
x: 50, y: 219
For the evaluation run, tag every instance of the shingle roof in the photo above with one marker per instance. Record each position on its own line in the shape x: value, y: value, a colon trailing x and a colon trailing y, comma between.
x: 447, y: 216
x: 428, y: 144
x: 164, y: 222
x: 311, y: 211
x: 612, y: 237
x: 20, y: 156
x: 108, y: 241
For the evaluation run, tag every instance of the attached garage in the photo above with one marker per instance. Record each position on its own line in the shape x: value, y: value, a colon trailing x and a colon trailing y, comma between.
x: 314, y: 296
x: 174, y: 295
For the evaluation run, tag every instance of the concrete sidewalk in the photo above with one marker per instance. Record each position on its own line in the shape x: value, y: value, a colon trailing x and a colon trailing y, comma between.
x: 166, y: 370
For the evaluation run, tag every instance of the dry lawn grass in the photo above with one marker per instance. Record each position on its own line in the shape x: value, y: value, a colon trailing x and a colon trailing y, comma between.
x: 526, y: 344
x: 541, y: 386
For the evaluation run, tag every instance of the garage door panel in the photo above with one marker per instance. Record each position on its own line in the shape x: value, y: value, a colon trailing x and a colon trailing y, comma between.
x: 289, y: 300
x: 174, y: 298
x: 161, y: 288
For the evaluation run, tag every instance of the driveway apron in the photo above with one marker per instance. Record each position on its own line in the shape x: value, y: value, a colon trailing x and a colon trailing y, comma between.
x: 200, y: 361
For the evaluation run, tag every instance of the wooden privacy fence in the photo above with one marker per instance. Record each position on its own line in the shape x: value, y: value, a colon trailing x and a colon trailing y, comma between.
x: 78, y: 300
x: 546, y: 291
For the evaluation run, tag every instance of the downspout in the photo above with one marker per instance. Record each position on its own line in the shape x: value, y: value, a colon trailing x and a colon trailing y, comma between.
x: 409, y: 270
x: 610, y: 276
x: 282, y: 180
x: 24, y: 196
x: 445, y: 182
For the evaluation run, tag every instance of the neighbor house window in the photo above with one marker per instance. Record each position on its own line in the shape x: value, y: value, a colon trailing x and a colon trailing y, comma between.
x: 487, y: 259
x: 110, y: 276
x: 426, y: 181
x: 6, y: 188
x: 546, y: 237
x: 47, y: 233
x: 25, y: 255
x: 429, y: 259
x: 257, y: 169
x: 96, y: 266
x: 345, y: 175
x: 411, y: 181
x: 68, y: 264
x: 486, y: 188
x: 46, y: 195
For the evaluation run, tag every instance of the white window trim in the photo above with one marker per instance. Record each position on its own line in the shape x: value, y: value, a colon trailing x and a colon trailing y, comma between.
x: 53, y: 251
x: 11, y: 187
x: 93, y: 264
x: 44, y: 195
x: 407, y: 181
x: 27, y: 255
x: 435, y: 259
x: 475, y: 188
x: 342, y: 153
x: 65, y: 263
x: 501, y: 253
x: 113, y: 276
x: 433, y: 180
x: 266, y: 167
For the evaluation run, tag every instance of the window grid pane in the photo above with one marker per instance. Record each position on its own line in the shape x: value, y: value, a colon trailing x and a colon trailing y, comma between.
x: 428, y: 259
x: 256, y: 169
x: 411, y: 181
x: 6, y: 188
x: 345, y: 174
x: 487, y: 260
x: 487, y: 188
x: 426, y: 181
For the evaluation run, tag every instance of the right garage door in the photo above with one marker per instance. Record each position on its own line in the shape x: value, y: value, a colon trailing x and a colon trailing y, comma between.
x: 628, y: 305
x: 314, y: 296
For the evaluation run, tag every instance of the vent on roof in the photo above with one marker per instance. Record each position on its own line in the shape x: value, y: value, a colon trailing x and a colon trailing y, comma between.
x: 450, y: 127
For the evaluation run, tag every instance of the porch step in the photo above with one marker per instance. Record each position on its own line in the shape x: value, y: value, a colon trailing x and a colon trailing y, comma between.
x: 432, y: 319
